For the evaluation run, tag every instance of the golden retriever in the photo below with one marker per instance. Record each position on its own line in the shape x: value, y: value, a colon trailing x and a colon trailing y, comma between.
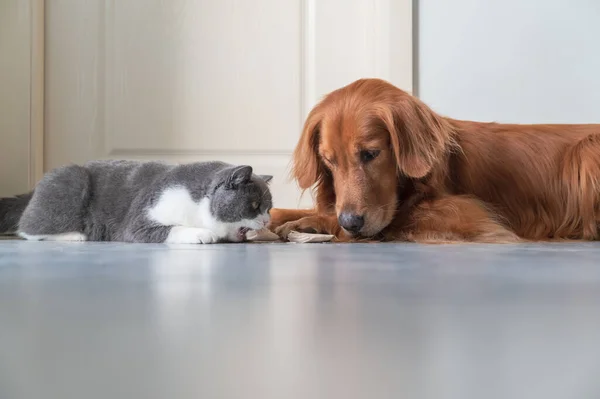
x: 384, y: 166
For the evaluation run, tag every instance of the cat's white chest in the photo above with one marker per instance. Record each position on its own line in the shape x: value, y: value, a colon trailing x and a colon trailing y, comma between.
x: 175, y: 207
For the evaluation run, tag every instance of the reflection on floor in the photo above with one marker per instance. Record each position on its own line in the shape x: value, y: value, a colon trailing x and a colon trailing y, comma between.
x: 98, y: 320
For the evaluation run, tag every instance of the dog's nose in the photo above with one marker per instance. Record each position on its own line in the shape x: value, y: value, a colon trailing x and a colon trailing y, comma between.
x: 351, y: 221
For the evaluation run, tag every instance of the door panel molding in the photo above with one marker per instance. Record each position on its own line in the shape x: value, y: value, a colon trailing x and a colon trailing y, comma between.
x: 36, y: 135
x: 140, y: 74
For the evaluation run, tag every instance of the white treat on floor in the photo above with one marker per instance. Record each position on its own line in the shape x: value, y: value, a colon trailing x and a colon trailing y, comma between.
x: 295, y: 236
x: 265, y: 235
x: 262, y: 235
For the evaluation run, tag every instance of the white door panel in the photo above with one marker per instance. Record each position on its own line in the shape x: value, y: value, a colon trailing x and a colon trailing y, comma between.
x: 187, y: 80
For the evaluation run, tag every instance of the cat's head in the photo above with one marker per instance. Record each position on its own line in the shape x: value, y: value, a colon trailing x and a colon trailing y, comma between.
x: 241, y: 200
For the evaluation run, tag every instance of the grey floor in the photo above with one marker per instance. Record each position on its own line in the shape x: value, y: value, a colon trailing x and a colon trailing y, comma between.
x: 94, y: 320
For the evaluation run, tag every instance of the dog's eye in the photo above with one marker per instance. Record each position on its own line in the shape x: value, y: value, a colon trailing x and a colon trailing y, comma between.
x: 368, y: 155
x: 255, y: 205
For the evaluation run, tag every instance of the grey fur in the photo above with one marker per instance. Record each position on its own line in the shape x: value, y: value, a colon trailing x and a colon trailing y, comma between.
x: 108, y: 200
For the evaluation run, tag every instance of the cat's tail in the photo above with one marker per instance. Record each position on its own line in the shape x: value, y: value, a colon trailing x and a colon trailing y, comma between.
x: 11, y: 209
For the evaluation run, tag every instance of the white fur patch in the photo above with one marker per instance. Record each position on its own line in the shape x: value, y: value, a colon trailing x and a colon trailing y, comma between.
x: 176, y: 207
x: 190, y: 235
x: 72, y: 236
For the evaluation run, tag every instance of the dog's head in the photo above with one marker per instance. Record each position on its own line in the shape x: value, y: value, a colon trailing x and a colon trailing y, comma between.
x: 359, y: 144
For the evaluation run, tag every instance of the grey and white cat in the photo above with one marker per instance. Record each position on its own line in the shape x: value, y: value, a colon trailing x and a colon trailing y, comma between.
x: 146, y: 202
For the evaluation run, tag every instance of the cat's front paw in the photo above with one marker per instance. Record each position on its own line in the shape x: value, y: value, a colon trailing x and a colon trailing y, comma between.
x: 191, y: 235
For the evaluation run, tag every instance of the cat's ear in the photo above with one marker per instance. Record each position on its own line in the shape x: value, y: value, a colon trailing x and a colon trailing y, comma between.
x: 240, y: 175
x: 266, y: 178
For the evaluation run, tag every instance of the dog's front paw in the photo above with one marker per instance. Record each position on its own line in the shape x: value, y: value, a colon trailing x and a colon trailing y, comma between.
x: 310, y: 224
x: 191, y: 235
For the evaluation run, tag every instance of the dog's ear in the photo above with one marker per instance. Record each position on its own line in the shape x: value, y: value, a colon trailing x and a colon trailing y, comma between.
x: 419, y: 137
x: 307, y: 167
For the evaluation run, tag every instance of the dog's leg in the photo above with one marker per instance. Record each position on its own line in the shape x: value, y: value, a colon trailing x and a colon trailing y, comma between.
x: 454, y: 219
x: 282, y: 216
x: 321, y: 224
x: 446, y: 220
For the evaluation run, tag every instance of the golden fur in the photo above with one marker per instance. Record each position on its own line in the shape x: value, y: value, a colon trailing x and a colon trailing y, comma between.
x: 436, y: 179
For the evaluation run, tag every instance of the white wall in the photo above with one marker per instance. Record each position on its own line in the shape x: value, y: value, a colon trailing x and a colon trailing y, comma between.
x: 511, y: 60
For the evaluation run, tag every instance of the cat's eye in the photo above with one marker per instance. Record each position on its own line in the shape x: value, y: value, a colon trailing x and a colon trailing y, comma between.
x: 255, y: 205
x: 368, y: 155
